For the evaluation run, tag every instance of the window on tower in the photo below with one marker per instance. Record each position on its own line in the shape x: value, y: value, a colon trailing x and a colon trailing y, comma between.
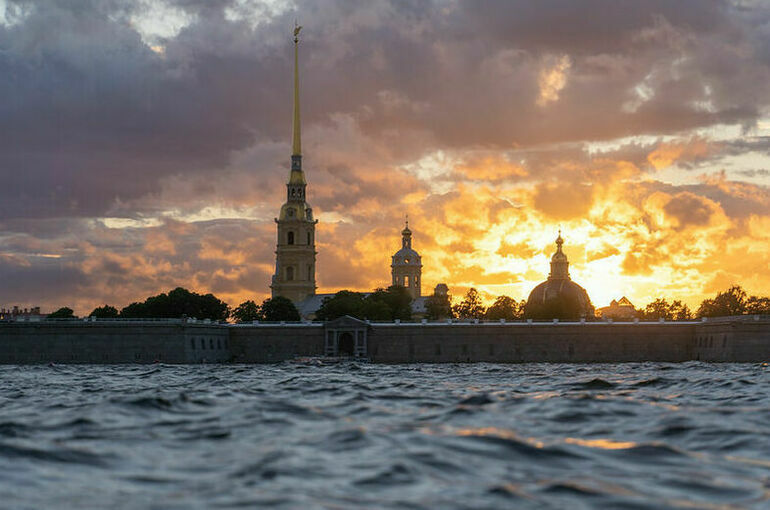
x: 290, y: 237
x: 290, y: 273
x: 308, y: 238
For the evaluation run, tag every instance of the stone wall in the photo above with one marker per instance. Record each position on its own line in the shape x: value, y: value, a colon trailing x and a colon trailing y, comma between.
x: 112, y: 342
x: 733, y: 339
x: 537, y: 342
x: 265, y: 343
x: 738, y: 339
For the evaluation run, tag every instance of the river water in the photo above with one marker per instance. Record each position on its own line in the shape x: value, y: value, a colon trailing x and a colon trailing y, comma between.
x: 353, y: 435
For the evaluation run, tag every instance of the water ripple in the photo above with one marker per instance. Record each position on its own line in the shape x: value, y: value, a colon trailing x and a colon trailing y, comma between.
x: 353, y: 435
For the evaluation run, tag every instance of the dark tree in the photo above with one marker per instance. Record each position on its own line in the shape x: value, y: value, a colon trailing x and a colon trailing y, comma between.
x: 395, y: 302
x: 439, y: 307
x: 134, y: 311
x: 179, y: 303
x: 505, y: 307
x: 344, y: 302
x: 277, y: 309
x: 62, y: 313
x: 104, y: 312
x: 662, y: 309
x: 758, y: 305
x: 374, y: 307
x: 246, y: 312
x: 470, y: 307
x: 658, y: 309
x: 680, y: 311
x: 730, y: 302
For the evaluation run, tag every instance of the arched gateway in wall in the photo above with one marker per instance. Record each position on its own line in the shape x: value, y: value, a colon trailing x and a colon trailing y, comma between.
x: 346, y: 336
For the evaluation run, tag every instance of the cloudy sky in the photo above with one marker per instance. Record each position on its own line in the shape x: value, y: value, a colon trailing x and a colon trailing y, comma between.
x: 144, y: 144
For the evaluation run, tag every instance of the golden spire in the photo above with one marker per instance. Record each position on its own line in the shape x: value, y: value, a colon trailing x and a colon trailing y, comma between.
x: 296, y: 146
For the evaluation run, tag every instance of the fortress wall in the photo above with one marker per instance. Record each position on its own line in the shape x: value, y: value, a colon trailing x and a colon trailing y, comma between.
x: 273, y: 343
x: 111, y: 342
x: 518, y: 343
x: 743, y: 339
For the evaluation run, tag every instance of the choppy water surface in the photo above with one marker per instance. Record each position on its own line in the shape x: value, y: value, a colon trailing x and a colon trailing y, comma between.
x: 374, y: 436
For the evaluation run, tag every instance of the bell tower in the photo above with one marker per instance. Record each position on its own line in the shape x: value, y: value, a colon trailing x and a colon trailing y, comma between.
x: 406, y: 265
x: 295, y: 253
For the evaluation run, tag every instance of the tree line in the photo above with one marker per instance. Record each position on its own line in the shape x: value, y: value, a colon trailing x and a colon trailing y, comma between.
x: 181, y: 302
x: 733, y: 301
x: 396, y: 303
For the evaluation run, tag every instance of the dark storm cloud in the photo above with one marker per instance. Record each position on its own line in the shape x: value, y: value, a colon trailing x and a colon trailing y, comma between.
x: 586, y: 26
x: 91, y: 116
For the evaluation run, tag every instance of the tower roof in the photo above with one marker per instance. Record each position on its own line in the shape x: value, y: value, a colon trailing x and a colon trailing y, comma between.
x: 559, y: 262
x: 296, y: 146
x: 406, y: 231
x: 406, y: 255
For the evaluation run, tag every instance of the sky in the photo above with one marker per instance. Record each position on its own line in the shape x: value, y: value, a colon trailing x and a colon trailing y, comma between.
x: 144, y: 145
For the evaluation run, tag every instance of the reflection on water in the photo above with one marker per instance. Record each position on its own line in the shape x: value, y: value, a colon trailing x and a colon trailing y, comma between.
x: 371, y: 436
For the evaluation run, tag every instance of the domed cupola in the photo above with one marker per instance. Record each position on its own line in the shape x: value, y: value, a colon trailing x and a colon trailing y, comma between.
x: 559, y: 297
x: 406, y: 266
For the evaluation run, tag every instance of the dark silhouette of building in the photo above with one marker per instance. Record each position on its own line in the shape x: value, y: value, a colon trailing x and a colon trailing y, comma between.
x: 559, y: 297
x: 406, y: 266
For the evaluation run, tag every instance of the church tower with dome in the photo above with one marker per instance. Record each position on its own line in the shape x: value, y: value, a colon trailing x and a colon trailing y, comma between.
x: 559, y: 297
x: 406, y: 266
x: 295, y: 253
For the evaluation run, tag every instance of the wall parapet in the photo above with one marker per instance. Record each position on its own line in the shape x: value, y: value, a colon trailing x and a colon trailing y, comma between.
x: 739, y: 339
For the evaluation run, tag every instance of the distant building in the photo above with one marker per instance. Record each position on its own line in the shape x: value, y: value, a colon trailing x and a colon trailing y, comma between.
x: 406, y: 271
x: 18, y: 314
x: 295, y: 253
x: 621, y: 309
x: 406, y: 266
x: 559, y: 297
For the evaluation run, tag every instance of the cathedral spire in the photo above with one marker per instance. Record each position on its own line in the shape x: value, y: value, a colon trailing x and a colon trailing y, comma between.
x: 296, y: 146
x: 295, y: 253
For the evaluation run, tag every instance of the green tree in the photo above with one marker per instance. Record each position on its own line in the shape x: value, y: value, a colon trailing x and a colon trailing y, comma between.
x: 439, y: 307
x: 375, y: 307
x: 246, y: 312
x: 730, y: 302
x: 104, y: 312
x: 505, y: 307
x: 470, y: 307
x: 62, y: 313
x: 344, y: 302
x: 392, y: 303
x: 278, y: 308
x: 178, y: 303
x: 756, y: 305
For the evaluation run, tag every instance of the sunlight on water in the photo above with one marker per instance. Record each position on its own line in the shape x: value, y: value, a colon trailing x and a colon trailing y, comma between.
x: 375, y: 436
